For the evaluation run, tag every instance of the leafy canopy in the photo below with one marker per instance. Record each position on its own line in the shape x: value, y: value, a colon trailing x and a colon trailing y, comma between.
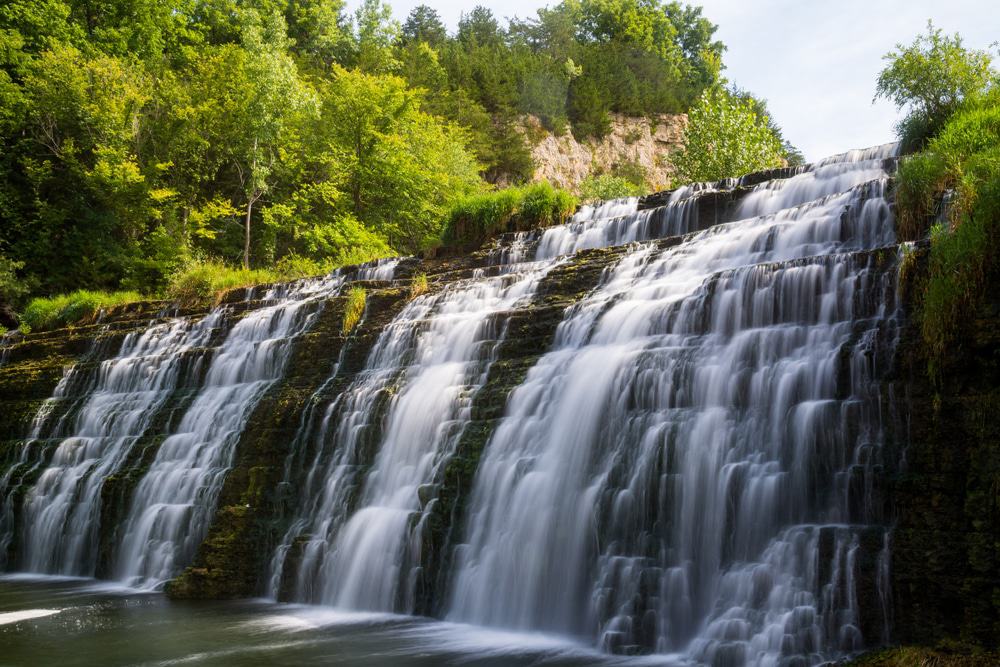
x: 931, y: 77
x: 726, y: 137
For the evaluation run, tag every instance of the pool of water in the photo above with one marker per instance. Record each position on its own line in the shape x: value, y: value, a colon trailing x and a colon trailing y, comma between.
x: 81, y: 622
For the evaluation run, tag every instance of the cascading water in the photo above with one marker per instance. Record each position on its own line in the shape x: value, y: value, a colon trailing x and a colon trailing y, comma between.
x: 30, y: 458
x: 62, y: 510
x: 432, y: 357
x: 174, y: 500
x: 690, y: 469
x: 620, y: 221
x: 678, y: 473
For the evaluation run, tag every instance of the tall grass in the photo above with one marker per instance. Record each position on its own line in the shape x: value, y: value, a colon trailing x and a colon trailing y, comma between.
x: 418, y: 285
x: 208, y: 279
x: 200, y: 281
x: 474, y: 219
x: 44, y: 313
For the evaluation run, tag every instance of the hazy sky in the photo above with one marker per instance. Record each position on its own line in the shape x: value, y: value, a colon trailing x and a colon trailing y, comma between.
x: 815, y: 61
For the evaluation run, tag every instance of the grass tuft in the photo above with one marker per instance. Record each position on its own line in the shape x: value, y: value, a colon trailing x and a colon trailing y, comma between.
x: 354, y: 308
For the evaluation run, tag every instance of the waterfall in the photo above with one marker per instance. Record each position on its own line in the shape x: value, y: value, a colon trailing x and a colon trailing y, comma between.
x: 358, y: 531
x: 61, y: 512
x: 622, y: 221
x: 690, y: 467
x: 30, y: 459
x: 679, y: 472
x: 173, y: 502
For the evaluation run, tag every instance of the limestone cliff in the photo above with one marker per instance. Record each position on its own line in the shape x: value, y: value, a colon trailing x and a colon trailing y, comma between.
x: 566, y: 162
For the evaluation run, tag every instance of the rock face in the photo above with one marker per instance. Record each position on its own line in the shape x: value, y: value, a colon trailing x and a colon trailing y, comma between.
x: 566, y: 162
x: 946, y: 546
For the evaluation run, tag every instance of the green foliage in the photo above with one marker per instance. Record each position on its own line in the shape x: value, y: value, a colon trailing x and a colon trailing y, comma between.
x: 931, y: 77
x: 399, y: 167
x: 11, y: 287
x: 424, y: 25
x: 418, y: 285
x: 726, y: 137
x: 139, y: 134
x: 206, y: 280
x: 608, y: 186
x: 475, y: 218
x: 50, y: 313
x: 354, y: 309
x: 964, y: 158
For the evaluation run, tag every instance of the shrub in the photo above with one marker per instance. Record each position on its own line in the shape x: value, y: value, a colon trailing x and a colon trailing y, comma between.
x: 11, y: 288
x: 292, y: 267
x: 726, y: 137
x: 354, y: 308
x: 51, y: 312
x: 419, y: 285
x: 475, y: 218
x: 608, y: 186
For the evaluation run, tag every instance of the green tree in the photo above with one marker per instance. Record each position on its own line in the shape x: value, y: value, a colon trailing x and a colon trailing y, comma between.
x: 725, y: 137
x: 318, y: 30
x: 399, y: 166
x: 479, y: 27
x: 377, y: 32
x: 85, y: 201
x: 270, y: 95
x: 423, y: 24
x: 931, y: 77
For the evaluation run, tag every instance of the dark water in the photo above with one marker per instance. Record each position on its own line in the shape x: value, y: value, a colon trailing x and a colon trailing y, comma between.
x: 78, y: 622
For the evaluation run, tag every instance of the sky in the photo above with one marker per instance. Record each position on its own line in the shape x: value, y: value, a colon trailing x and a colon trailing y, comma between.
x: 814, y: 61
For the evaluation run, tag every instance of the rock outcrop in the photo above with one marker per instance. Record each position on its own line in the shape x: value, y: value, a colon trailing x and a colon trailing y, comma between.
x: 643, y: 142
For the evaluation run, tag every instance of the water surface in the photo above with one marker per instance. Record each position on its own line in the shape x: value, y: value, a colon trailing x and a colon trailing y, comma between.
x: 63, y: 621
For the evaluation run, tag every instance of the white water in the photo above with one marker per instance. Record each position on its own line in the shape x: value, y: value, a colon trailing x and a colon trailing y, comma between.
x: 687, y: 471
x: 664, y: 477
x: 173, y: 503
x: 619, y: 221
x: 61, y: 512
x: 431, y: 358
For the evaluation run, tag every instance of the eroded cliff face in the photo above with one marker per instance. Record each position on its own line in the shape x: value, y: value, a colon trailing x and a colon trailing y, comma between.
x: 566, y: 162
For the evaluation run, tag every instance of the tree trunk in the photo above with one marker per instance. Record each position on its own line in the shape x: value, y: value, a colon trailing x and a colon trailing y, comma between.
x: 246, y: 235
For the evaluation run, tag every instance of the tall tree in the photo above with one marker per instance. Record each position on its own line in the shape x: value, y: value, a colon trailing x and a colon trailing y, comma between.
x: 423, y: 24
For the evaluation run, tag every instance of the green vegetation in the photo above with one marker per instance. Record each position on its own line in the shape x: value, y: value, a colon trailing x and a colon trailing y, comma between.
x: 728, y: 134
x: 138, y: 138
x: 475, y: 218
x: 418, y: 285
x: 81, y: 305
x: 953, y: 95
x: 207, y: 280
x: 913, y: 656
x: 354, y: 309
x: 964, y: 158
x: 608, y: 186
x: 931, y: 77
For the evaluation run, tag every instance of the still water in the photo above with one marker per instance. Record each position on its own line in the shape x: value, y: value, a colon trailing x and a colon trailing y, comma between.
x: 59, y: 621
